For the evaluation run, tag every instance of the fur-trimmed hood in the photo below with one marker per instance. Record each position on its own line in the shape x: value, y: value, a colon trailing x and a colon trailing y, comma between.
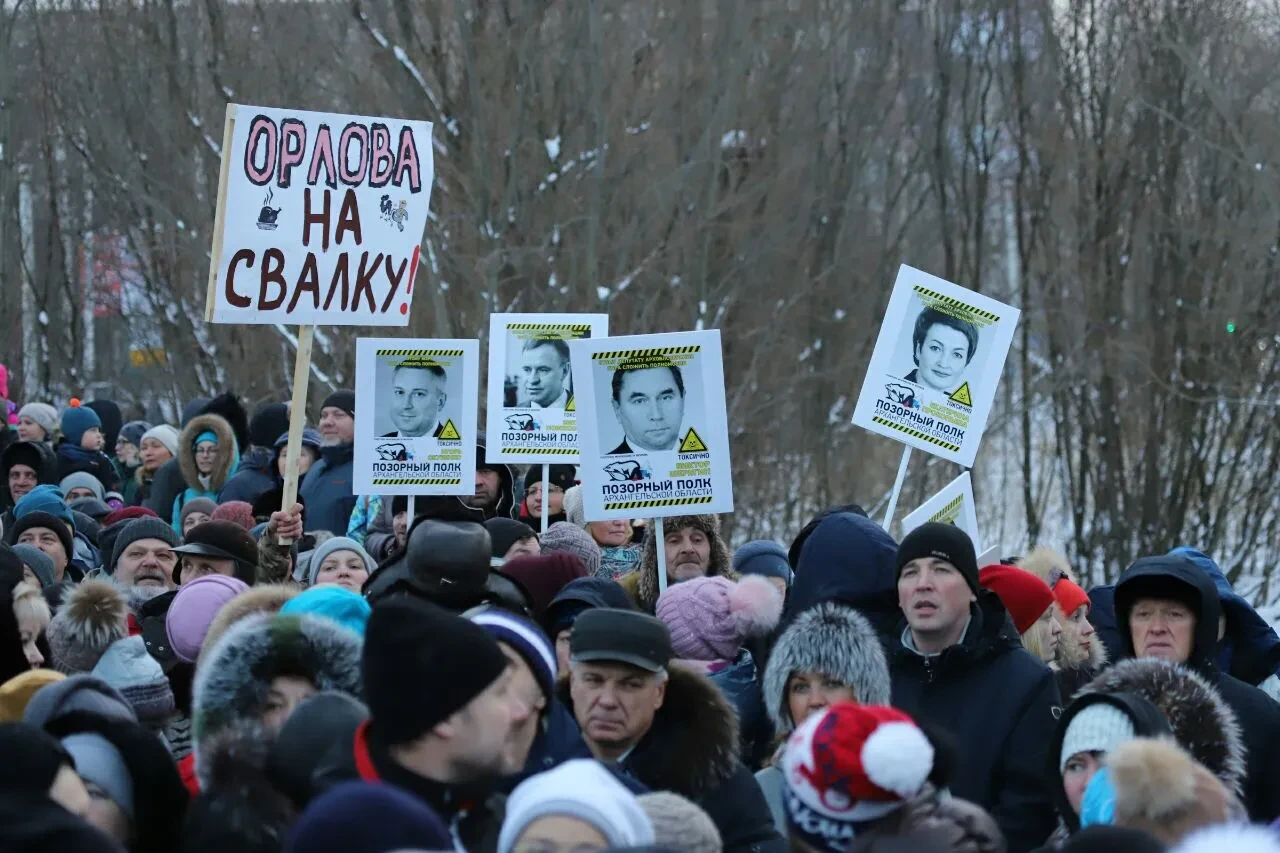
x: 232, y: 683
x: 1047, y: 564
x: 646, y: 583
x: 228, y: 452
x: 692, y: 746
x: 1202, y: 723
x: 836, y: 641
x: 264, y: 598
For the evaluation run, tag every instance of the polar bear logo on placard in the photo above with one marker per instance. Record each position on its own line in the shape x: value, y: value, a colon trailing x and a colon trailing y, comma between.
x: 900, y: 394
x: 626, y: 470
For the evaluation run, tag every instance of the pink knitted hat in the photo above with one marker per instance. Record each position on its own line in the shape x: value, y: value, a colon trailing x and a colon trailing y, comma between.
x: 192, y: 610
x: 709, y: 618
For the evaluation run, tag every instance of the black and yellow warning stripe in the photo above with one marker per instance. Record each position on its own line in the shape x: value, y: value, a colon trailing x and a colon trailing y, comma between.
x: 949, y: 511
x: 956, y: 303
x: 666, y: 502
x: 419, y: 353
x: 548, y: 327
x: 396, y: 481
x: 558, y: 451
x: 644, y: 353
x: 914, y: 433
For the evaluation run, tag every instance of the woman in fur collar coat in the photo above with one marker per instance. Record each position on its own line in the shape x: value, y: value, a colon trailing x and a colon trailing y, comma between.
x: 208, y: 455
x: 1081, y: 654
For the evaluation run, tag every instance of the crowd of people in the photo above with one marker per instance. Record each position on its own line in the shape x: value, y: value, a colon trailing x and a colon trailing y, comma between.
x: 188, y: 666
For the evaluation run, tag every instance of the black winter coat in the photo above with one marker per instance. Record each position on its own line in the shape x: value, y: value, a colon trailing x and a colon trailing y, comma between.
x: 254, y: 476
x: 1000, y: 705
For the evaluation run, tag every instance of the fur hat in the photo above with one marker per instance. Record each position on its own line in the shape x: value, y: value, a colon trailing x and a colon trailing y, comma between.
x: 94, y: 615
x: 1161, y: 790
x: 571, y: 539
x: 1202, y: 723
x: 233, y: 681
x: 680, y: 824
x: 710, y: 618
x: 647, y: 588
x: 838, y: 642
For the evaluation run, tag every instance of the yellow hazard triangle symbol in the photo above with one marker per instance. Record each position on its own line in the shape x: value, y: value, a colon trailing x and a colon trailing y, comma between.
x: 961, y: 395
x: 572, y: 405
x: 448, y: 431
x: 692, y: 442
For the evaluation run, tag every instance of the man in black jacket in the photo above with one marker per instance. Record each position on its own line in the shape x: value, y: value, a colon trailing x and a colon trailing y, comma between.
x: 670, y: 730
x: 1167, y: 607
x: 959, y: 665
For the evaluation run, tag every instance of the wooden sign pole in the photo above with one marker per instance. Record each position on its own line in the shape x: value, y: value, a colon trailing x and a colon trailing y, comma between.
x: 297, y: 417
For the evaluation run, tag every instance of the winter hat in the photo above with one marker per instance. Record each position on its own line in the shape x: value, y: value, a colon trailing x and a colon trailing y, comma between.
x: 39, y: 563
x: 17, y: 692
x: 222, y: 540
x: 544, y: 576
x: 1100, y: 727
x: 320, y: 721
x: 78, y: 420
x: 332, y: 545
x: 193, y: 609
x: 563, y: 537
x: 680, y: 824
x: 264, y: 598
x: 165, y: 434
x: 268, y: 421
x: 1069, y: 595
x: 43, y: 414
x: 128, y: 513
x: 141, y: 528
x: 1024, y: 595
x: 133, y: 432
x: 583, y: 594
x: 127, y: 666
x: 32, y: 759
x: 310, y: 438
x: 527, y: 639
x: 343, y: 398
x: 763, y: 557
x: 44, y: 498
x: 92, y: 617
x: 93, y: 509
x: 1163, y: 791
x: 574, y: 510
x: 82, y: 480
x: 832, y: 639
x: 557, y: 475
x: 581, y: 788
x: 505, y: 532
x: 81, y: 692
x: 111, y: 419
x: 1118, y: 839
x: 1236, y: 837
x: 335, y: 603
x: 361, y: 817
x: 711, y: 617
x: 204, y: 505
x: 422, y: 664
x: 944, y: 541
x: 850, y: 765
x: 237, y: 512
x: 98, y: 761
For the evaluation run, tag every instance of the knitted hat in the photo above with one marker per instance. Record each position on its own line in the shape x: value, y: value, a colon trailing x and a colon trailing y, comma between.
x: 268, y: 421
x: 333, y: 545
x: 527, y: 640
x: 77, y: 420
x: 81, y: 692
x: 92, y: 617
x: 310, y: 438
x: 505, y: 532
x: 237, y: 512
x: 581, y: 788
x: 334, y: 603
x: 82, y: 480
x: 39, y: 563
x: 193, y: 609
x: 557, y: 475
x: 221, y: 540
x: 49, y: 522
x: 563, y: 537
x: 17, y: 692
x: 945, y: 542
x: 344, y: 399
x: 44, y: 498
x: 43, y: 414
x: 421, y: 665
x: 91, y: 508
x: 127, y: 513
x: 680, y: 824
x: 763, y: 557
x: 165, y: 434
x: 544, y: 576
x: 1100, y: 727
x: 1069, y: 595
x: 133, y: 432
x: 99, y: 762
x: 361, y: 817
x: 127, y: 666
x: 1024, y: 595
x: 850, y: 765
x: 204, y: 505
x: 140, y: 528
x: 575, y: 512
x: 710, y: 618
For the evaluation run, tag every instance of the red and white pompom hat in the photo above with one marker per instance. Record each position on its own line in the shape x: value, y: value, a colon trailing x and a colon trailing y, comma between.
x: 852, y: 764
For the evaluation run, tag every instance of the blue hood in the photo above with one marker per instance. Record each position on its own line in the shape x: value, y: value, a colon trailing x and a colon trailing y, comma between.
x: 1250, y: 650
x: 848, y: 558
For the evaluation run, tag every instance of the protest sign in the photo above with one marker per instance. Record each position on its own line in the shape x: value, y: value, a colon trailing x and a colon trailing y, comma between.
x: 652, y: 425
x: 936, y: 365
x: 952, y: 505
x: 532, y: 408
x: 416, y: 416
x: 319, y: 218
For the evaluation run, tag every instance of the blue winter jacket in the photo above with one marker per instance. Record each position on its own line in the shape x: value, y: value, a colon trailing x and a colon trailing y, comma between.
x: 254, y: 477
x: 740, y: 683
x: 848, y: 558
x: 326, y: 491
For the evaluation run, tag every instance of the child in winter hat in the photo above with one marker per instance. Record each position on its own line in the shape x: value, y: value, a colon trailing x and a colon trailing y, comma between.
x: 581, y: 790
x: 711, y: 617
x: 79, y: 420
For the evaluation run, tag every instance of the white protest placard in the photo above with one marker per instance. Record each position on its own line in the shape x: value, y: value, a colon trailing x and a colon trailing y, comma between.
x: 652, y: 425
x: 320, y: 217
x: 532, y: 407
x: 936, y: 365
x: 952, y: 505
x: 989, y: 557
x: 416, y: 416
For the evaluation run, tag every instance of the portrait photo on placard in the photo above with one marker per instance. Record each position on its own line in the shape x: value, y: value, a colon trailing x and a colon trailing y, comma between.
x: 416, y: 396
x: 940, y: 349
x: 652, y: 403
x: 538, y: 374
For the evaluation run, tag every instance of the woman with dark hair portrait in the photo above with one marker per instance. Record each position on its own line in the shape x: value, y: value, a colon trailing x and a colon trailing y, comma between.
x: 942, y: 346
